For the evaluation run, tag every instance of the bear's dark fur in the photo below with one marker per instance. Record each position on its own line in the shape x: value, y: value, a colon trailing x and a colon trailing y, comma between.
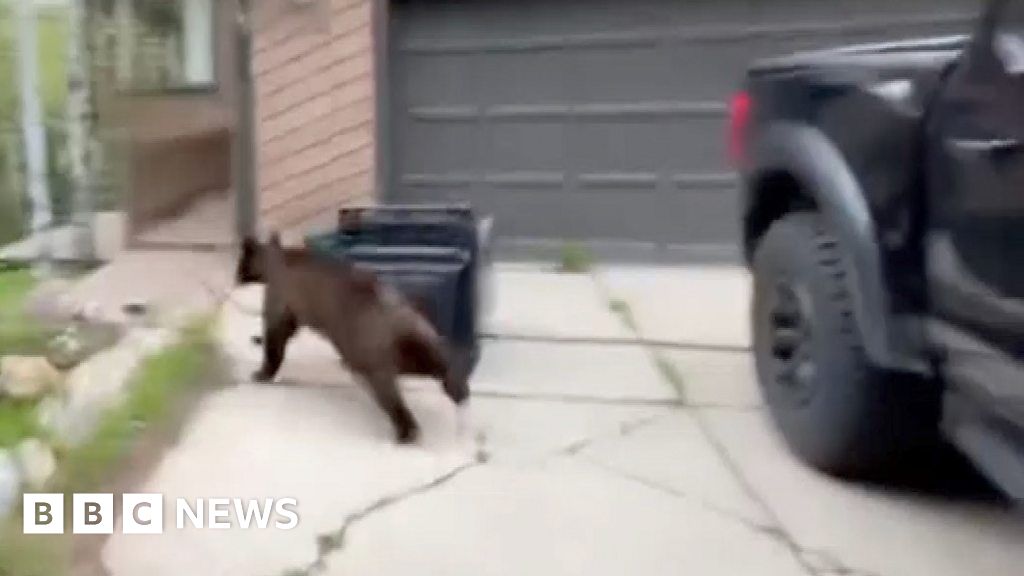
x: 375, y: 330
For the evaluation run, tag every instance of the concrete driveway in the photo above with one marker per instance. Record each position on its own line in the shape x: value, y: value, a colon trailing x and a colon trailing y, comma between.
x: 598, y: 441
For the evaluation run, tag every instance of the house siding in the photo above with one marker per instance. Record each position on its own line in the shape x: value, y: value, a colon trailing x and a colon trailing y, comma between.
x: 315, y: 115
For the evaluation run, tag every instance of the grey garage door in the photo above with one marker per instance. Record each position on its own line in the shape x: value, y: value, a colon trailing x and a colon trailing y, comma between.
x: 600, y: 120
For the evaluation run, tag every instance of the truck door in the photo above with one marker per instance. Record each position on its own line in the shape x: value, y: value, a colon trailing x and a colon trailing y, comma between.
x: 975, y: 204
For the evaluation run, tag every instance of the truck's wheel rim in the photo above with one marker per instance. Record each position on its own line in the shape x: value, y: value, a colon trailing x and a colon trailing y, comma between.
x: 789, y: 318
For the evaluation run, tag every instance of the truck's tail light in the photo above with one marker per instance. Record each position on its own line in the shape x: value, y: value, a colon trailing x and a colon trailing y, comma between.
x: 739, y: 120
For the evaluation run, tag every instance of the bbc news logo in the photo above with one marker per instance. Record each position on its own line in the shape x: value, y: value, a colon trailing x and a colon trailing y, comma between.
x: 144, y: 513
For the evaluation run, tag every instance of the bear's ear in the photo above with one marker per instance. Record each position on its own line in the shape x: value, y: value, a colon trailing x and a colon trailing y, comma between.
x: 250, y: 262
x: 249, y: 245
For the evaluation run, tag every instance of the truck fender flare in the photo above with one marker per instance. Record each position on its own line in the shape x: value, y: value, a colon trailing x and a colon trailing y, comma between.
x: 808, y: 155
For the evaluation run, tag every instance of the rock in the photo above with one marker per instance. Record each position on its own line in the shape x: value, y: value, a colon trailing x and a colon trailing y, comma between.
x: 51, y: 414
x: 78, y: 342
x: 10, y: 482
x: 66, y: 350
x: 27, y: 377
x: 36, y: 462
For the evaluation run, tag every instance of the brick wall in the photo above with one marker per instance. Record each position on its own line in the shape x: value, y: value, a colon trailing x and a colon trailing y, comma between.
x: 313, y: 66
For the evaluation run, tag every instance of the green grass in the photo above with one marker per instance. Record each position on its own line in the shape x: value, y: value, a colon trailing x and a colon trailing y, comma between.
x: 13, y: 222
x: 18, y: 333
x: 160, y: 381
x: 39, y: 555
x: 17, y: 422
x: 15, y: 286
x: 575, y: 259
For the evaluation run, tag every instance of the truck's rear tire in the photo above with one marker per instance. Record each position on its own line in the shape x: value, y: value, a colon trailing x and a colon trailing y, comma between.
x: 834, y: 410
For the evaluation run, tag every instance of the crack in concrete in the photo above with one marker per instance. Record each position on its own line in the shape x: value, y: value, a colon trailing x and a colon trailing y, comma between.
x: 330, y: 542
x: 579, y: 399
x: 774, y: 529
x: 832, y: 565
x: 669, y: 373
x: 286, y: 382
x: 556, y: 398
x: 625, y: 430
x: 800, y: 553
x: 814, y: 562
x: 615, y: 341
x: 534, y: 397
x: 668, y: 490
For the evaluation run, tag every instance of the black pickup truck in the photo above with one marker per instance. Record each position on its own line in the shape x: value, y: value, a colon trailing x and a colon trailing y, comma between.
x: 883, y: 221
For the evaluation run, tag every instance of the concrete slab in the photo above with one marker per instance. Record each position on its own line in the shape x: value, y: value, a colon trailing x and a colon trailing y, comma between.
x: 706, y: 305
x: 524, y: 431
x: 865, y: 528
x: 516, y: 385
x: 329, y: 448
x: 559, y: 518
x: 674, y: 454
x: 536, y: 303
x: 603, y: 372
x: 712, y: 378
x: 175, y: 284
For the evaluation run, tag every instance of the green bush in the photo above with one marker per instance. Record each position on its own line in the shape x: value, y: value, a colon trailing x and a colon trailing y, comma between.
x: 52, y: 35
x: 12, y: 215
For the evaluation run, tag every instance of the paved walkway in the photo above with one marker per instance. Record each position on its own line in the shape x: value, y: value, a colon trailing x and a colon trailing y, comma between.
x: 576, y: 456
x: 175, y: 285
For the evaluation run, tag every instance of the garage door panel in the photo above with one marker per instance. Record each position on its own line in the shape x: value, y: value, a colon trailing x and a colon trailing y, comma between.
x: 526, y: 146
x: 441, y: 78
x: 701, y: 214
x: 524, y: 77
x: 691, y: 214
x: 639, y: 73
x: 570, y: 215
x: 694, y: 75
x: 441, y: 147
x: 601, y: 119
x: 625, y: 145
x: 699, y: 144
